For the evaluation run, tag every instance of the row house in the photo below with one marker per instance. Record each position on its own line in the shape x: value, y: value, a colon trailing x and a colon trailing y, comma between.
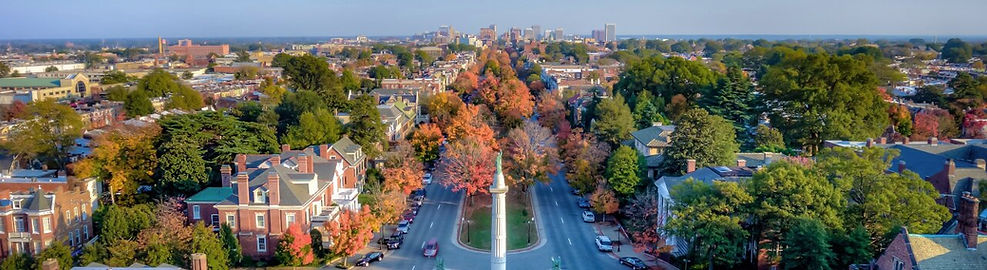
x: 270, y: 192
x: 38, y: 207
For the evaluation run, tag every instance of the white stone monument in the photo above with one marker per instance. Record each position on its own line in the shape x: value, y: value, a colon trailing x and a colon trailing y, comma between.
x: 498, y: 247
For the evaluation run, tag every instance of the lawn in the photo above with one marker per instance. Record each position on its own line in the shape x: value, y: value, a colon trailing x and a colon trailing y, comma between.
x: 518, y: 213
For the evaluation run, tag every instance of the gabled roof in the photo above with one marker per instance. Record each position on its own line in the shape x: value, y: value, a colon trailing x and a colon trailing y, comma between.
x: 708, y: 175
x: 654, y: 136
x: 39, y: 202
x: 947, y: 252
x: 351, y: 151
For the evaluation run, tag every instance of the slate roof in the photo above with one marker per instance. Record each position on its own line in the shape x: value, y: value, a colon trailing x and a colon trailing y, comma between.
x: 30, y: 82
x: 351, y: 151
x: 947, y: 252
x: 259, y: 167
x: 654, y: 136
x: 709, y: 174
x: 756, y: 160
x: 39, y: 202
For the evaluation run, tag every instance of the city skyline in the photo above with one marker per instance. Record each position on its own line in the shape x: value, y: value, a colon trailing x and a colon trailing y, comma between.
x: 397, y: 18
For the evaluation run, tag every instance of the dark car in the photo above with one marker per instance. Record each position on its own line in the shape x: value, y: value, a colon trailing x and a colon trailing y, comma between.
x: 408, y: 215
x: 418, y: 194
x: 369, y: 258
x: 394, y: 242
x: 386, y: 240
x: 583, y: 203
x: 633, y: 263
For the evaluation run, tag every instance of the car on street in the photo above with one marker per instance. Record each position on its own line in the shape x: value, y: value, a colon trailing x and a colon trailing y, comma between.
x: 408, y: 215
x: 603, y: 243
x: 369, y: 258
x: 634, y: 263
x: 431, y: 248
x: 418, y: 194
x: 415, y: 208
x: 588, y: 216
x: 583, y: 203
x: 404, y: 226
x: 576, y: 192
x: 394, y: 242
x: 427, y: 179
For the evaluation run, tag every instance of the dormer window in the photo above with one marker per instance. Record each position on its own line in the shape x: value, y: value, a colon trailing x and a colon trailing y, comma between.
x: 17, y: 203
x: 260, y: 196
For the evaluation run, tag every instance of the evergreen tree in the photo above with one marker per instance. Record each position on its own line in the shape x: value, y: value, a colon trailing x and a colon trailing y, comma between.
x: 647, y: 110
x: 313, y: 128
x: 234, y: 253
x: 365, y: 127
x: 17, y: 261
x: 850, y: 247
x: 807, y: 246
x: 614, y: 122
x: 731, y: 99
x: 182, y: 169
x: 205, y: 241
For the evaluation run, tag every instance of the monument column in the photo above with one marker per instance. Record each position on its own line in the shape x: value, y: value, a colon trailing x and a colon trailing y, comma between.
x: 498, y: 247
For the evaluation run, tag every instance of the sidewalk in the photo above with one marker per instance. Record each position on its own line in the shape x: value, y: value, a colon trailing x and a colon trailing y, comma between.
x: 625, y: 249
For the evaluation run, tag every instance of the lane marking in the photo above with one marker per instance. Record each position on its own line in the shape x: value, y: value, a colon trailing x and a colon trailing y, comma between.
x: 423, y: 244
x: 551, y: 189
x: 563, y: 221
x: 413, y: 267
x: 438, y: 207
x: 570, y: 241
x: 556, y: 203
x: 430, y: 225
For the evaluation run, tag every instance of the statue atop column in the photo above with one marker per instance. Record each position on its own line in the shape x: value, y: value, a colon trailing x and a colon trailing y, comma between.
x: 498, y: 247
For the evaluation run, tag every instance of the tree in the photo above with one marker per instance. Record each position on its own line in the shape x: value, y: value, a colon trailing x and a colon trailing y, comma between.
x: 234, y: 252
x: 350, y: 232
x: 551, y: 111
x: 184, y: 98
x: 294, y: 248
x: 957, y: 51
x: 246, y: 73
x: 204, y: 241
x: 731, y: 98
x: 666, y: 77
x: 17, y: 261
x: 47, y: 134
x: 818, y: 96
x: 768, y: 139
x: 122, y: 253
x: 308, y: 72
x: 426, y: 141
x: 242, y: 56
x: 465, y: 83
x: 787, y: 190
x: 678, y: 106
x: 51, y: 69
x: 114, y: 77
x: 159, y: 83
x: 709, y: 217
x: 167, y: 239
x: 123, y: 158
x: 647, y: 110
x: 644, y: 226
x: 320, y: 127
x: 614, y: 121
x: 16, y: 109
x: 469, y: 122
x: 623, y: 170
x: 707, y: 139
x: 402, y: 171
x: 509, y: 98
x: 584, y: 157
x: 604, y: 201
x: 117, y: 93
x: 4, y: 70
x: 137, y: 104
x: 58, y: 251
x: 926, y: 125
x: 186, y: 75
x: 365, y: 127
x: 807, y: 246
x: 182, y: 169
x: 468, y: 165
x: 850, y: 247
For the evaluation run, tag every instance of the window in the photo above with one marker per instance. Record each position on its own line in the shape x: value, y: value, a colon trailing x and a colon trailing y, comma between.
x: 195, y: 212
x: 260, y: 221
x: 19, y: 224
x: 76, y: 211
x: 231, y: 220
x: 84, y: 214
x: 37, y: 247
x: 289, y: 218
x: 2, y: 229
x: 71, y: 239
x: 34, y: 225
x: 898, y: 264
x: 78, y: 236
x: 262, y: 243
x: 17, y: 204
x: 47, y: 224
x: 85, y: 231
x: 259, y: 196
x: 68, y: 216
x: 214, y: 218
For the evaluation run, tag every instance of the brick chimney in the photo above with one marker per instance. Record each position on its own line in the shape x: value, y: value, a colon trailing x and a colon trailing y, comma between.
x: 226, y: 174
x: 273, y: 188
x: 242, y: 188
x: 906, y: 140
x: 324, y: 151
x: 50, y: 264
x: 690, y: 165
x: 303, y: 165
x: 933, y: 141
x: 901, y: 166
x: 870, y: 142
x: 742, y: 163
x: 241, y: 162
x: 199, y: 262
x: 884, y: 140
x: 967, y: 220
x: 274, y: 160
x: 950, y: 167
x: 981, y: 163
x: 285, y: 148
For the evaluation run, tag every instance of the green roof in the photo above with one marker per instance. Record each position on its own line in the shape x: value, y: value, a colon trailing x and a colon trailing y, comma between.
x: 29, y: 82
x: 211, y: 194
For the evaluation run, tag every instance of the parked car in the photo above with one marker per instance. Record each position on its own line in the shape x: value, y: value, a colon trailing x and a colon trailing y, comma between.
x: 588, y: 216
x: 633, y: 262
x: 576, y: 192
x: 414, y: 208
x: 408, y: 215
x: 394, y: 242
x: 603, y: 243
x: 369, y: 258
x: 583, y: 203
x: 418, y: 194
x: 403, y: 226
x: 427, y: 179
x: 431, y: 248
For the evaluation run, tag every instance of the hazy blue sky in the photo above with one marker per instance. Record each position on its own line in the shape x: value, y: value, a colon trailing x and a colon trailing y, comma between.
x: 23, y: 19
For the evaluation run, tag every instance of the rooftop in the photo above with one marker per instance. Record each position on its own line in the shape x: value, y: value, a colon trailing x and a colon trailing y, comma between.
x: 29, y: 82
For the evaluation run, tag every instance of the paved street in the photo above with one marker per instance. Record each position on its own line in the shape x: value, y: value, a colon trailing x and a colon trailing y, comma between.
x: 569, y: 238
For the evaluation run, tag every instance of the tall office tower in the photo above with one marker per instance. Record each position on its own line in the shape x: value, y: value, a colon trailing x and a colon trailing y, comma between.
x: 494, y: 27
x: 537, y: 30
x: 547, y: 34
x: 558, y: 34
x: 599, y: 35
x: 611, y: 30
x: 529, y: 34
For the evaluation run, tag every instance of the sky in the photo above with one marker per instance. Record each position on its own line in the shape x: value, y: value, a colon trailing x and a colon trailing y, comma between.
x: 56, y: 19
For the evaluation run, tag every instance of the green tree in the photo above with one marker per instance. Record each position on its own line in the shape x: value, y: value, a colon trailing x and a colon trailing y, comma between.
x: 308, y: 72
x: 708, y: 139
x: 47, y: 134
x: 51, y: 69
x: 181, y: 167
x: 234, y: 253
x: 647, y: 110
x: 365, y: 127
x: 768, y: 139
x: 4, y: 70
x: 709, y: 217
x: 114, y: 77
x: 731, y: 98
x: 666, y: 77
x: 319, y: 127
x: 121, y: 253
x: 849, y: 247
x: 159, y: 83
x: 807, y: 246
x: 787, y: 190
x: 818, y: 96
x: 186, y: 75
x: 185, y: 99
x: 17, y: 261
x: 137, y: 104
x: 957, y: 51
x: 614, y: 122
x: 623, y: 170
x: 117, y: 93
x: 58, y: 251
x: 293, y: 105
x: 242, y: 56
x: 204, y: 241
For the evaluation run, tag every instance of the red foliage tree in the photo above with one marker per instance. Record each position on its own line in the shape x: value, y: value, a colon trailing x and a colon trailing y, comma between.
x: 468, y: 123
x: 926, y: 125
x: 402, y: 171
x: 426, y: 141
x: 973, y: 124
x: 299, y: 247
x: 530, y: 155
x: 551, y: 111
x: 350, y: 232
x: 14, y: 110
x: 465, y: 83
x: 468, y: 165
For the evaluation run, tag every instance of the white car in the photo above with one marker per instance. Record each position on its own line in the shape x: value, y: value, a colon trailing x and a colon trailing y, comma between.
x: 589, y: 217
x: 404, y: 226
x: 603, y: 243
x: 427, y: 179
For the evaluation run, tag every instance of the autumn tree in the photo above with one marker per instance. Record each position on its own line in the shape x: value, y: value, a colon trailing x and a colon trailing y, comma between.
x: 442, y: 107
x: 551, y: 111
x: 402, y: 171
x: 350, y: 233
x: 124, y: 158
x: 604, y: 201
x: 468, y: 165
x: 531, y: 155
x: 467, y: 123
x: 295, y: 247
x: 644, y: 226
x: 465, y: 83
x: 509, y: 98
x: 584, y: 157
x: 426, y: 141
x: 47, y: 134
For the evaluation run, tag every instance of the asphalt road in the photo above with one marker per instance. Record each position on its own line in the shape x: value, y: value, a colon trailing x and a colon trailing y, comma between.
x: 560, y: 224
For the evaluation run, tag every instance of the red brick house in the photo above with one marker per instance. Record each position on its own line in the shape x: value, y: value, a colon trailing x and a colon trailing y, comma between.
x: 270, y: 192
x: 38, y: 207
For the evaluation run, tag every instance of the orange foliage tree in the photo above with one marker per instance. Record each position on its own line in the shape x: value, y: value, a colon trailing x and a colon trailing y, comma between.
x: 426, y: 141
x: 124, y: 158
x: 585, y: 157
x: 530, y: 155
x: 352, y: 231
x: 442, y: 107
x: 465, y: 83
x: 295, y: 247
x: 551, y: 111
x: 510, y: 99
x: 468, y: 165
x: 402, y: 171
x: 604, y: 201
x: 468, y: 123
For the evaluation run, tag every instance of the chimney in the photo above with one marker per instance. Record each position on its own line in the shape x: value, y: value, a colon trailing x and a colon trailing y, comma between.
x: 742, y: 163
x: 767, y: 159
x: 242, y: 188
x: 950, y: 166
x: 241, y: 162
x: 967, y: 220
x: 884, y: 140
x: 285, y: 148
x: 274, y: 160
x: 906, y: 140
x: 901, y: 166
x: 870, y: 142
x: 981, y: 163
x: 933, y: 141
x: 50, y: 264
x: 226, y: 174
x: 324, y: 151
x: 303, y: 164
x: 199, y: 262
x: 273, y: 188
x: 690, y: 165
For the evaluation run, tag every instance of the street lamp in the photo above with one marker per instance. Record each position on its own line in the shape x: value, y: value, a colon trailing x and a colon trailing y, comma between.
x: 529, y: 228
x: 463, y: 220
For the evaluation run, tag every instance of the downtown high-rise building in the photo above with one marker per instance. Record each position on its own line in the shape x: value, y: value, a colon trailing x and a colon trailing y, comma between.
x: 558, y: 35
x: 529, y: 34
x: 611, y: 32
x: 537, y: 30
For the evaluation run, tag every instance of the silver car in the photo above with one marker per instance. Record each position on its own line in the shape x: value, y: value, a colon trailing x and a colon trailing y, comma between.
x: 403, y: 226
x: 603, y: 243
x: 589, y: 217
